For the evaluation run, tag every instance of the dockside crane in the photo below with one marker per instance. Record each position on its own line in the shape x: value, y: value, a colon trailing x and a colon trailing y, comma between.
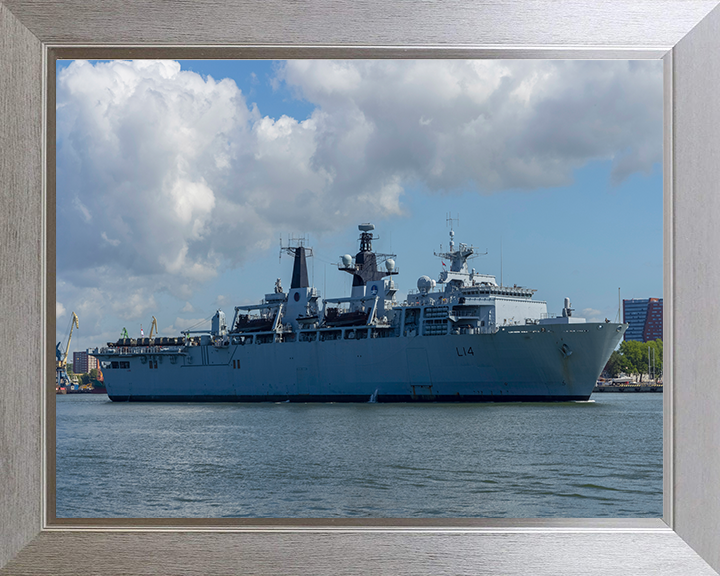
x: 61, y: 376
x: 153, y: 325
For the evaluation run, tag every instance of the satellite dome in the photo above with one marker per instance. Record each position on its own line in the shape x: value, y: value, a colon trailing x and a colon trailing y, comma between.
x: 390, y: 264
x: 425, y: 283
x: 347, y: 260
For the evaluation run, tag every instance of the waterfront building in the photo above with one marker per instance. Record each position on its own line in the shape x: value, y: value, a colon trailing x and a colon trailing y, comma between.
x: 645, y: 318
x: 82, y: 363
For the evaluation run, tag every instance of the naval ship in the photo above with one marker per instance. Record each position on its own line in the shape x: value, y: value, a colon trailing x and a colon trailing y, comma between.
x: 462, y: 338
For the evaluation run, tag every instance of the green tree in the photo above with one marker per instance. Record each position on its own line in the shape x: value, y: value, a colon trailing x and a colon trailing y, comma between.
x: 94, y: 374
x: 635, y: 354
x: 639, y: 359
x: 616, y: 365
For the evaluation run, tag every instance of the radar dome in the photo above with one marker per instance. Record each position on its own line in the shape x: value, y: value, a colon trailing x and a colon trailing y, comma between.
x: 425, y: 283
x: 366, y: 227
x: 347, y: 260
x: 390, y: 264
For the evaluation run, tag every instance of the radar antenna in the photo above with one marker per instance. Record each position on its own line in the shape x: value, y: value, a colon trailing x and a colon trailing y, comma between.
x: 457, y: 257
x: 294, y: 242
x: 296, y: 248
x: 449, y: 221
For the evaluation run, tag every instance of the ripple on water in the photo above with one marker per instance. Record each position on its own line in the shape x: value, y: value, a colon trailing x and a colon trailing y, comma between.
x: 519, y: 460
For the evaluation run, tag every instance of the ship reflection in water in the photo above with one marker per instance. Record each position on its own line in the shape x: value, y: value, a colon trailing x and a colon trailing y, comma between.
x: 464, y: 338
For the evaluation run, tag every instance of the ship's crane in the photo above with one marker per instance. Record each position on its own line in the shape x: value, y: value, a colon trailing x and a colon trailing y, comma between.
x: 61, y: 375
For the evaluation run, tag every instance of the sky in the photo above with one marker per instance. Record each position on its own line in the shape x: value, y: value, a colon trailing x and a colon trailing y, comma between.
x: 176, y: 180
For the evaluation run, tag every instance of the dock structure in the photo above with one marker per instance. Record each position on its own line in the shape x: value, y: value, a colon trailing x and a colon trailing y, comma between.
x: 628, y: 386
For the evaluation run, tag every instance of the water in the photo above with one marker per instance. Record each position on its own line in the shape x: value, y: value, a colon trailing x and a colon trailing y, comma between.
x: 573, y: 460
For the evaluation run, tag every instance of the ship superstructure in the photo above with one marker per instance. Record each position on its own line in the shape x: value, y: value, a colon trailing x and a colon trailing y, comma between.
x: 462, y: 338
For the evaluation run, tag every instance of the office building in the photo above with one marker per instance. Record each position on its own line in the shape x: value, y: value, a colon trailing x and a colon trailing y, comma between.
x: 645, y: 318
x: 82, y: 363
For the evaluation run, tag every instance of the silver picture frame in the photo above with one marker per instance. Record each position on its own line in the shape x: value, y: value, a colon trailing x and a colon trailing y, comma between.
x: 684, y: 33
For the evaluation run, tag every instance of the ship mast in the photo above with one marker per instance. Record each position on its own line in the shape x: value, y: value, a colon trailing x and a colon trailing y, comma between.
x: 458, y: 258
x: 365, y: 268
x: 296, y: 248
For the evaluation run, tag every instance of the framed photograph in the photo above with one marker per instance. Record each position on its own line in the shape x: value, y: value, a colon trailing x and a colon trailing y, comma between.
x: 540, y: 164
x: 682, y: 34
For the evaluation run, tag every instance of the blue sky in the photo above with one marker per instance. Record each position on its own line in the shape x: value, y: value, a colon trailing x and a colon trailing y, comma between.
x: 176, y: 180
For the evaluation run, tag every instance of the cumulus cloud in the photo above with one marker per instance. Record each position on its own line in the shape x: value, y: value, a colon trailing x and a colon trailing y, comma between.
x: 488, y: 125
x: 592, y: 315
x: 165, y: 177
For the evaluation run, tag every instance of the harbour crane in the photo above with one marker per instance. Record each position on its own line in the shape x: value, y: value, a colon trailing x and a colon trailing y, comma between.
x: 61, y: 376
x: 153, y: 325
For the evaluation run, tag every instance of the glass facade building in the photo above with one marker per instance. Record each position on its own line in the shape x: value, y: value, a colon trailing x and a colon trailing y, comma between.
x: 645, y: 318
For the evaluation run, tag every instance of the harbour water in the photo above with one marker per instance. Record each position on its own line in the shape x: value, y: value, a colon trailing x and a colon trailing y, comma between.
x: 601, y: 458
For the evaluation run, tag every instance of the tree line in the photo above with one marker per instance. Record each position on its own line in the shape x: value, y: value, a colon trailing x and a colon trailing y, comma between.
x: 636, y: 358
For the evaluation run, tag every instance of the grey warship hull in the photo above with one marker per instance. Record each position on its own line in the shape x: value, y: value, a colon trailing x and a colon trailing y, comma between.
x: 558, y: 363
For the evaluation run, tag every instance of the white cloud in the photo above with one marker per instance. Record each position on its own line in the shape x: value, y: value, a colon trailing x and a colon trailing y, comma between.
x: 84, y: 212
x: 592, y: 315
x: 59, y: 310
x: 495, y: 124
x: 109, y: 241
